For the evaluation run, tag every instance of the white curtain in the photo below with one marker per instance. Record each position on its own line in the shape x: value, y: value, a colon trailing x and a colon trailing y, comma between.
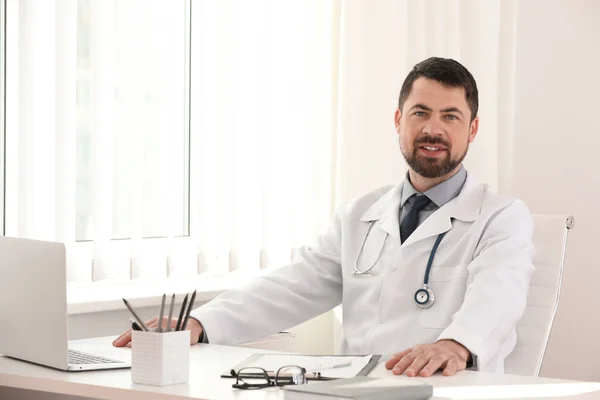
x: 264, y: 81
x: 40, y: 128
x: 99, y: 107
x: 144, y: 173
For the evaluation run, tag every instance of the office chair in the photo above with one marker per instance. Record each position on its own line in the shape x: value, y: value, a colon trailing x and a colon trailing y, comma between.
x: 533, y: 330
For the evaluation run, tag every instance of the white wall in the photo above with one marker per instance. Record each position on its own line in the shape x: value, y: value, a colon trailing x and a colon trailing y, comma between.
x: 557, y: 139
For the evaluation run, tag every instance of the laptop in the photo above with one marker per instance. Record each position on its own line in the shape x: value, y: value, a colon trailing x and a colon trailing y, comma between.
x: 33, y: 309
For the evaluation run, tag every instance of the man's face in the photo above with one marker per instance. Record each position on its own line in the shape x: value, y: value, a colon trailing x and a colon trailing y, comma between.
x: 435, y: 128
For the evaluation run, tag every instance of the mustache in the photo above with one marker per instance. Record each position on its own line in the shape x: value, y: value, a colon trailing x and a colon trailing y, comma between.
x: 432, y: 140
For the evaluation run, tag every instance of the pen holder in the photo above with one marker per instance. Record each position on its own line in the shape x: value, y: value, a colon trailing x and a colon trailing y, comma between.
x: 160, y: 358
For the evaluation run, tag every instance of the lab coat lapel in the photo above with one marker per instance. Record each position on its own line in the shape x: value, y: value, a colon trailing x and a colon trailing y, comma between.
x: 465, y: 207
x: 385, y: 210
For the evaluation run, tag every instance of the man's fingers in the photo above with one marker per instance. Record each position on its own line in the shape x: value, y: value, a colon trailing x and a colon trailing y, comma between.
x: 395, y: 358
x: 404, y: 363
x: 123, y: 339
x: 435, y: 363
x: 418, y: 363
x: 450, y: 368
x: 453, y: 366
x: 426, y: 360
x: 165, y: 323
x: 152, y: 324
x: 151, y: 321
x: 172, y: 323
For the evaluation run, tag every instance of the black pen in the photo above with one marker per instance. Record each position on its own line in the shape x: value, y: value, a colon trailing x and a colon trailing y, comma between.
x: 179, y: 320
x: 187, y: 315
x: 139, y: 321
x: 134, y: 325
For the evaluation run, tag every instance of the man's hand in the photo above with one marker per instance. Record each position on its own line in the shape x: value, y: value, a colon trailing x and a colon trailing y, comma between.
x: 426, y: 359
x: 192, y: 325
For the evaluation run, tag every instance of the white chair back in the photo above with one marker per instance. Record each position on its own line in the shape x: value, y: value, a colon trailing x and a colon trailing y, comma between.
x: 533, y: 331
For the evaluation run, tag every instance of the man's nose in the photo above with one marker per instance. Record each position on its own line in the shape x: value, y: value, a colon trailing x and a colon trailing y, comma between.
x: 433, y: 128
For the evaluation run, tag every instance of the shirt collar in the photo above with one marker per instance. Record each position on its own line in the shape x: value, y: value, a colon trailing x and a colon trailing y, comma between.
x: 441, y: 193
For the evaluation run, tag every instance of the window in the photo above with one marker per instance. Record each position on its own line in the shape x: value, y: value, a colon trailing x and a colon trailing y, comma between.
x: 167, y: 138
x: 132, y: 134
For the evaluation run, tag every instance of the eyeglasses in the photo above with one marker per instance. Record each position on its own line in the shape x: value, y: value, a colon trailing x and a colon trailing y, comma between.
x: 258, y: 378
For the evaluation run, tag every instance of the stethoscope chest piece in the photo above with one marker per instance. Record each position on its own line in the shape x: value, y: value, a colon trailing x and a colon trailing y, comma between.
x: 424, y: 297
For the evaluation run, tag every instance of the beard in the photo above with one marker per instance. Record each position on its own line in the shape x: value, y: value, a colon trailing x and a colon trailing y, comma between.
x: 429, y: 167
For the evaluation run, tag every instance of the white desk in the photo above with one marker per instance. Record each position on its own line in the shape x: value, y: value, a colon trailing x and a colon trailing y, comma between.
x: 207, y: 362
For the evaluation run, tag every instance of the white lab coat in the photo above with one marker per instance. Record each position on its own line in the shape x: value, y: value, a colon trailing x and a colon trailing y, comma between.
x: 480, y: 276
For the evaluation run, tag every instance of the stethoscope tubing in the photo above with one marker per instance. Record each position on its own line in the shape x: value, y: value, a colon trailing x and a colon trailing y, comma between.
x: 356, y: 270
x: 431, y: 296
x: 431, y: 256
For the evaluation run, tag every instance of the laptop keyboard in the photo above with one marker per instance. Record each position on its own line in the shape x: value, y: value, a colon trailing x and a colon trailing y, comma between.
x: 78, y: 357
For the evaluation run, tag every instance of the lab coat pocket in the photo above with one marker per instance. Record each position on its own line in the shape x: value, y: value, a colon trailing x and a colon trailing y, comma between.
x: 449, y: 285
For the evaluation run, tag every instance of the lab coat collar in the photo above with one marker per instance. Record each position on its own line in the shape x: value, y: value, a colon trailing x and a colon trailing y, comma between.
x: 383, y: 211
x: 465, y: 207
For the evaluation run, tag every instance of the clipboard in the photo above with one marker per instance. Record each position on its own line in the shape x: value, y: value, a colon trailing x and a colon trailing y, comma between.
x: 254, y: 361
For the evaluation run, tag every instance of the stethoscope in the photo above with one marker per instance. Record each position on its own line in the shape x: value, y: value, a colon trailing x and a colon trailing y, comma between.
x: 424, y: 296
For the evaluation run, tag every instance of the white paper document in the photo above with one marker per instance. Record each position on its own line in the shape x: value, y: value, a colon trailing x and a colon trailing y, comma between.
x: 329, y: 367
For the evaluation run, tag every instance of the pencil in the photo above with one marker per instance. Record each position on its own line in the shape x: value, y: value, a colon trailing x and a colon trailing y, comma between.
x: 170, y: 313
x: 160, y: 314
x: 187, y: 315
x: 139, y: 321
x: 179, y: 320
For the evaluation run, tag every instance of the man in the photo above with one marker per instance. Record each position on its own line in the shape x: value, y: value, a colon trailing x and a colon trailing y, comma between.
x: 462, y: 309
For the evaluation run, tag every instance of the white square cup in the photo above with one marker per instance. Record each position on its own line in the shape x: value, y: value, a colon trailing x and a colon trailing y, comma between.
x: 160, y: 359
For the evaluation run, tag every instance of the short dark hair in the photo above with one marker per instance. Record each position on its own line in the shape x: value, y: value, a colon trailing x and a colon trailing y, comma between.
x: 447, y: 72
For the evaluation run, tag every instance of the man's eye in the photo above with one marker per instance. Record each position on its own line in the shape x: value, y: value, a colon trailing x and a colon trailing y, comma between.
x: 451, y: 117
x: 420, y: 113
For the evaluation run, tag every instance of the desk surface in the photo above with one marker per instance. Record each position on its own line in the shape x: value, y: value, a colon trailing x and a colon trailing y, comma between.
x: 207, y: 362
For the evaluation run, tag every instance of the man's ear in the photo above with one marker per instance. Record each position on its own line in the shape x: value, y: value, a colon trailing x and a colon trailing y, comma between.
x: 473, y: 129
x: 397, y: 118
